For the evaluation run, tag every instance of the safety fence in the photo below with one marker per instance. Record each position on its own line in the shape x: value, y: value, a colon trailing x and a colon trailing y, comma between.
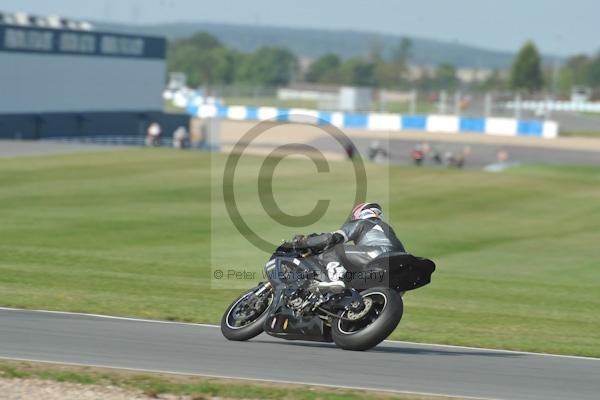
x: 383, y: 121
x: 109, y: 140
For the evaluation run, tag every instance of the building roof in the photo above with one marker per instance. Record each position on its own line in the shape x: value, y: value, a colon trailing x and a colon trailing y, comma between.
x: 52, y: 21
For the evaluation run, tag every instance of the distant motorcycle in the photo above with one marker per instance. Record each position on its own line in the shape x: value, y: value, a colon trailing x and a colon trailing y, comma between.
x: 291, y: 306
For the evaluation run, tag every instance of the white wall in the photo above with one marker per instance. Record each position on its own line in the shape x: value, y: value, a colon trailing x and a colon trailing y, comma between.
x: 74, y: 83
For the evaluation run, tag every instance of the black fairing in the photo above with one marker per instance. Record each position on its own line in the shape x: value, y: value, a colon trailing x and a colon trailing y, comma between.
x: 397, y: 270
x: 283, y: 271
x: 400, y: 271
x: 283, y: 324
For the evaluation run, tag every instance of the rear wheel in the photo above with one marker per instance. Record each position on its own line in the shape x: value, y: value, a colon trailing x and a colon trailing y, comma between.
x: 365, y: 329
x: 245, y: 317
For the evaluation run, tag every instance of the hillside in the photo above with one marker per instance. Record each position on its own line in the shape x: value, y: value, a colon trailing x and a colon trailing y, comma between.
x: 315, y: 42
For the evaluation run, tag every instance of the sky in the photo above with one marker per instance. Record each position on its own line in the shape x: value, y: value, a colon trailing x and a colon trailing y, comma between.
x: 557, y: 26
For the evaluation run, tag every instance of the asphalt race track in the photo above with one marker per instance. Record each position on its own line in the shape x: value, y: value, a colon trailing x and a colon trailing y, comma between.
x: 481, y: 154
x: 200, y: 349
x: 483, y: 148
x: 17, y: 148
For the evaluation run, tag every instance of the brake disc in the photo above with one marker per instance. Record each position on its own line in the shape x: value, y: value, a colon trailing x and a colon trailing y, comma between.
x: 358, y: 315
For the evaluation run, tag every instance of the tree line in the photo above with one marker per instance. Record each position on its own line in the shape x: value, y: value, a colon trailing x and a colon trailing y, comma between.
x: 207, y: 61
x: 580, y: 70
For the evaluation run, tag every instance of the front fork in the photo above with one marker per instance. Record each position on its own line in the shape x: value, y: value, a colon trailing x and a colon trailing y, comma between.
x: 265, y: 287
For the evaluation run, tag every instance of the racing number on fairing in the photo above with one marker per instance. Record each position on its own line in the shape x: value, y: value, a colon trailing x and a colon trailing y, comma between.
x: 335, y: 271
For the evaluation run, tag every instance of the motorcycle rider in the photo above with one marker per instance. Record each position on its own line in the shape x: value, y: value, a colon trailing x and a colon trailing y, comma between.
x: 370, y: 234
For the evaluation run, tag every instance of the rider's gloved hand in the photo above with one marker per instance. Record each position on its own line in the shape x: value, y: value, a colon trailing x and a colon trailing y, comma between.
x: 324, y: 241
x: 315, y: 242
x: 298, y: 242
x: 299, y: 239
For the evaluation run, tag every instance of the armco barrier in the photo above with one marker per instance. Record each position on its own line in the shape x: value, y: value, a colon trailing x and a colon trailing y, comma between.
x: 387, y: 122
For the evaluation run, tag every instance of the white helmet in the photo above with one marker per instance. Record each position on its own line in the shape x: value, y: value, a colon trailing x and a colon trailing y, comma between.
x: 366, y: 211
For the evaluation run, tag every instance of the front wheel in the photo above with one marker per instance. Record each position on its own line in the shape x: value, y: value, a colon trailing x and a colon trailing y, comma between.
x: 365, y: 329
x: 245, y: 317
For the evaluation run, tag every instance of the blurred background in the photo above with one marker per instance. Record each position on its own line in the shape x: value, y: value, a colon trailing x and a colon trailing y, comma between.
x: 433, y: 95
x: 524, y: 61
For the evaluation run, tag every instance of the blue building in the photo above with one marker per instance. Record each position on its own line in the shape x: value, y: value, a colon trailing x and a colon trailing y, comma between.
x: 63, y: 78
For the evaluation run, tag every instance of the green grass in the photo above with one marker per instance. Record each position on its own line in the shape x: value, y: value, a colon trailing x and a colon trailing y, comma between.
x: 587, y: 134
x: 422, y: 107
x: 270, y: 102
x: 398, y: 107
x: 154, y: 385
x: 252, y: 102
x: 171, y: 108
x: 135, y: 233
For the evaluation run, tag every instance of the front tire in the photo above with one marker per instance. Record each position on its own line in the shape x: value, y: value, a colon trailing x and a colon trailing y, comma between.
x: 382, y: 313
x: 245, y: 317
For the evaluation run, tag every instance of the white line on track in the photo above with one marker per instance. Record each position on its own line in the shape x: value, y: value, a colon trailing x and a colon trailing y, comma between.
x: 395, y: 342
x: 154, y: 321
x: 280, y: 381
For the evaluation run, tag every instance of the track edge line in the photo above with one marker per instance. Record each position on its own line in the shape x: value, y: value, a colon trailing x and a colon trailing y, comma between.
x: 155, y: 321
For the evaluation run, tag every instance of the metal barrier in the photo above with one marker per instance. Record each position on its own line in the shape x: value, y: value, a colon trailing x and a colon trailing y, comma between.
x: 110, y: 140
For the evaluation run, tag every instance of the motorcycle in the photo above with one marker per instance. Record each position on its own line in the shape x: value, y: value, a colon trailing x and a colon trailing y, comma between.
x: 291, y: 305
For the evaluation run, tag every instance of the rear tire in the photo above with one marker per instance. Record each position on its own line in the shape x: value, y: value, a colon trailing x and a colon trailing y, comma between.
x: 250, y: 328
x: 383, y: 315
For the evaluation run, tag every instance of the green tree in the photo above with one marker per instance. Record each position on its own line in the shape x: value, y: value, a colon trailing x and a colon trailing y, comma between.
x: 375, y: 49
x: 324, y: 69
x: 592, y: 72
x: 358, y: 72
x: 493, y: 82
x: 231, y: 60
x: 445, y: 77
x: 401, y: 59
x: 203, y: 59
x: 578, y: 67
x: 526, y: 73
x: 401, y: 55
x: 580, y: 70
x: 202, y: 41
x: 574, y: 72
x: 566, y: 81
x: 269, y: 66
x: 386, y: 75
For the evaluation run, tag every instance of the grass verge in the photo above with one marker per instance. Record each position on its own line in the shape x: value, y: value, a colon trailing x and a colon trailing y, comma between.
x: 587, y: 134
x: 154, y: 384
x: 136, y: 233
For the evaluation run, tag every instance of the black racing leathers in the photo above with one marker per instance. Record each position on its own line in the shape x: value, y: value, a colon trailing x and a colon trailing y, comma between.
x: 371, y: 238
x: 371, y: 232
